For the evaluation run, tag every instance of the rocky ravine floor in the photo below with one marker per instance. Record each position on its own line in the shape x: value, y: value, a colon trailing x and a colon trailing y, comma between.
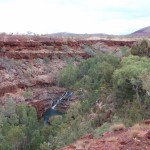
x: 29, y: 65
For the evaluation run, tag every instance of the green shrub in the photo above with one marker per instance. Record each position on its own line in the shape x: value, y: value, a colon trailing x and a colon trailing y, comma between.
x: 46, y: 60
x: 99, y: 131
x: 88, y: 50
x: 140, y: 48
x: 27, y: 94
x: 126, y: 80
x: 67, y: 76
x: 133, y: 112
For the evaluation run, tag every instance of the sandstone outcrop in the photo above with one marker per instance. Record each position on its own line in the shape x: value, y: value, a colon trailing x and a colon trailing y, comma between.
x: 24, y: 47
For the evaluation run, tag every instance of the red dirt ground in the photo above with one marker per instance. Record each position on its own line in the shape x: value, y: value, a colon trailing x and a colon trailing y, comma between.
x: 118, y: 140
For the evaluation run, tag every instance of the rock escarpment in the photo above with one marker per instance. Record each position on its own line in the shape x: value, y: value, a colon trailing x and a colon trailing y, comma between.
x: 23, y: 47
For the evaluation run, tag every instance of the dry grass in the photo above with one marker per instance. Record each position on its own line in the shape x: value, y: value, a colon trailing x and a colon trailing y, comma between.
x: 82, y: 145
x: 136, y: 127
x: 79, y: 145
x: 117, y: 127
x: 135, y: 130
x: 112, y: 139
x: 141, y: 126
x: 134, y: 133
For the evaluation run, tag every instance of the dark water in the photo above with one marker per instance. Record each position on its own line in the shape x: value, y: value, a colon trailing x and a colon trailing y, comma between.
x: 50, y: 112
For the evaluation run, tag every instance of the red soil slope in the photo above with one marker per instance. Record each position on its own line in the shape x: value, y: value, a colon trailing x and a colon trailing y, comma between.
x: 119, y: 140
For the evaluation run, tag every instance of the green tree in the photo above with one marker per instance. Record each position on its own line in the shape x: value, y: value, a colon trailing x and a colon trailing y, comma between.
x: 3, y: 119
x: 127, y: 82
x: 15, y: 137
x: 9, y: 107
x: 36, y: 140
x: 44, y: 146
x: 13, y: 119
x: 140, y: 48
x: 21, y: 111
x: 146, y: 82
x: 67, y: 76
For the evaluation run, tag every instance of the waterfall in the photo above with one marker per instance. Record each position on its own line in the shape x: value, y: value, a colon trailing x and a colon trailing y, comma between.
x: 67, y: 95
x: 52, y: 111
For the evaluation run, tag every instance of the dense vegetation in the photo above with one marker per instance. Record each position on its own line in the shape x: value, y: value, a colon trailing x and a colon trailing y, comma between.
x: 141, y: 48
x: 103, y: 84
x: 103, y: 77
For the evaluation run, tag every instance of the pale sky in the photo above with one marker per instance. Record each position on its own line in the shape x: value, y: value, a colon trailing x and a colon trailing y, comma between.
x: 75, y: 16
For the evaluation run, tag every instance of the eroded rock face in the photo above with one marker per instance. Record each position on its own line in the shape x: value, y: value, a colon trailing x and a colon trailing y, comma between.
x: 40, y: 106
x: 147, y: 135
x: 34, y: 80
x: 31, y: 47
x: 46, y: 99
x: 147, y: 122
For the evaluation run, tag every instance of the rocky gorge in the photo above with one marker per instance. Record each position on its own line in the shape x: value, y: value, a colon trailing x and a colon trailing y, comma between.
x: 29, y: 65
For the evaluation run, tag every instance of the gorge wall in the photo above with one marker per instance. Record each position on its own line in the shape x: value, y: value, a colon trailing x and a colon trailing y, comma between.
x: 29, y: 65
